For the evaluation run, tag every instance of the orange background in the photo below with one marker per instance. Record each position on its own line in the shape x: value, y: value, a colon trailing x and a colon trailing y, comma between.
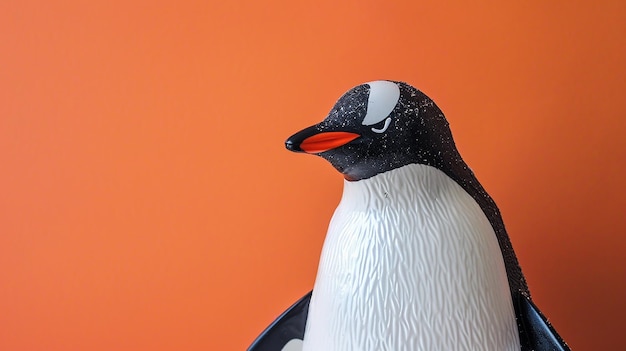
x: 147, y: 201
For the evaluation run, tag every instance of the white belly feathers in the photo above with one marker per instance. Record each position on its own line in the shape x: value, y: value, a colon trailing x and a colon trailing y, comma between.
x: 410, y: 262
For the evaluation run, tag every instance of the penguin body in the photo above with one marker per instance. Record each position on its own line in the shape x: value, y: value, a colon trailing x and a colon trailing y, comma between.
x: 416, y: 256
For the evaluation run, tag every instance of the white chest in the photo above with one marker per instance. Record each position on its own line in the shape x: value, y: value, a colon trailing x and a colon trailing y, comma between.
x: 410, y: 262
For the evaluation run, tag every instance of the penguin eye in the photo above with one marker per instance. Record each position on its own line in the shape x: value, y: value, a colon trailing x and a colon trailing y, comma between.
x: 384, y: 128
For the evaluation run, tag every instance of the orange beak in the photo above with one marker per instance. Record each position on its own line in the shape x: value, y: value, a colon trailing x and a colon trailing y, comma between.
x: 312, y: 141
x: 326, y: 141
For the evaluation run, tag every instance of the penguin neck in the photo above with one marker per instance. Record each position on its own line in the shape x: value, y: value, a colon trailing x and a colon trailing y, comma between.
x: 412, y: 180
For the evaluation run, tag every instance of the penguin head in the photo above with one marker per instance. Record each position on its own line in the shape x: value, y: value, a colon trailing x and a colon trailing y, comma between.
x: 376, y: 127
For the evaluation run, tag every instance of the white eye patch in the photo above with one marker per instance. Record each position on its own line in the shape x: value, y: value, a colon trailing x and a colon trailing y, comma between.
x: 383, y: 97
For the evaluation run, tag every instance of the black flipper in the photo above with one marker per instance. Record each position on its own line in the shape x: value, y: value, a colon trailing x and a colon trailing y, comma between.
x: 289, y: 325
x: 536, y: 333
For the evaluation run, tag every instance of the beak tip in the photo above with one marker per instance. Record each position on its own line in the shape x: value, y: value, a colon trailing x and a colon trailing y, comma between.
x: 291, y: 146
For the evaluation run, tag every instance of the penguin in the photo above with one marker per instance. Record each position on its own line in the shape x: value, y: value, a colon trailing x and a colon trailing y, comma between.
x: 416, y: 256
